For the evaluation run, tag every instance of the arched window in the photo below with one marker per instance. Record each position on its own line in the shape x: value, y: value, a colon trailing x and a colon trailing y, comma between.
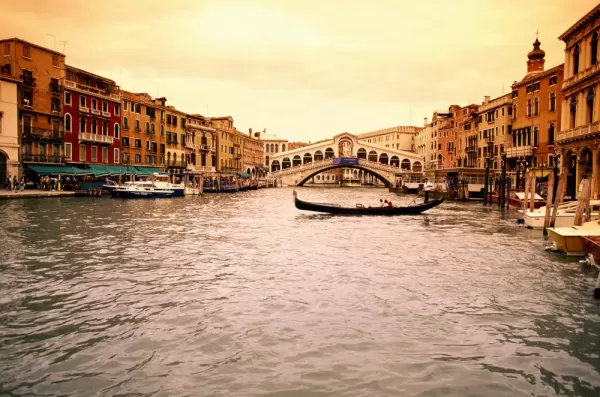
x: 553, y: 102
x: 529, y: 107
x: 536, y: 106
x: 125, y: 123
x: 116, y: 131
x: 137, y: 125
x: 67, y: 122
x: 594, y: 48
x: 551, y: 133
x: 576, y: 60
x: 152, y: 129
x: 168, y: 157
x: 590, y: 104
x: 147, y: 126
x: 94, y: 126
x: 283, y: 147
x: 573, y: 107
x: 162, y: 130
x: 82, y: 124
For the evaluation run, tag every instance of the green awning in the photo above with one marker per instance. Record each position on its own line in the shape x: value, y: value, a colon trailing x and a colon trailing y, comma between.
x: 110, y: 170
x: 148, y: 171
x: 244, y: 174
x: 52, y: 169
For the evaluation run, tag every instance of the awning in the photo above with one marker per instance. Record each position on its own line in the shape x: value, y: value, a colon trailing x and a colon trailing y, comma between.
x: 52, y: 169
x: 109, y: 170
x: 542, y: 174
x: 148, y: 171
x: 244, y: 174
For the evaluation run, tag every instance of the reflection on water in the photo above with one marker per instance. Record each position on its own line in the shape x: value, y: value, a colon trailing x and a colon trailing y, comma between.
x: 245, y: 295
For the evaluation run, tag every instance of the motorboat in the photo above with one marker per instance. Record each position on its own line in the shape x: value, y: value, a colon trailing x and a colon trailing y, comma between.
x: 572, y: 240
x: 360, y: 209
x: 517, y: 199
x: 565, y: 214
x: 141, y: 190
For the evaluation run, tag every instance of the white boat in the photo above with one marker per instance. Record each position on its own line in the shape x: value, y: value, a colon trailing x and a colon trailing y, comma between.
x: 565, y: 214
x: 571, y: 240
x: 141, y: 190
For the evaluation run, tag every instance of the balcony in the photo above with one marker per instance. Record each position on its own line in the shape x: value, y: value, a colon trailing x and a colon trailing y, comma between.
x: 95, y: 111
x: 581, y: 76
x: 95, y: 138
x: 106, y: 114
x: 579, y: 132
x: 29, y: 132
x: 519, y: 151
x: 190, y: 145
x: 204, y: 148
x: 55, y: 88
x: 237, y: 156
x: 42, y: 158
x: 83, y: 109
x: 470, y: 149
x: 106, y: 92
x: 176, y: 164
x: 213, y: 149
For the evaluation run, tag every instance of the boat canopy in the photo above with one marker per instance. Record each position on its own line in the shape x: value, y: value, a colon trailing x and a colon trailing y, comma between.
x: 108, y: 170
x: 148, y: 171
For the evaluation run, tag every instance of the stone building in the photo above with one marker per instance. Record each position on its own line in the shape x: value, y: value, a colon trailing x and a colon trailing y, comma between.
x: 9, y: 128
x: 201, y: 144
x: 399, y: 137
x: 535, y: 115
x: 578, y: 141
x: 140, y: 141
x: 272, y: 145
x: 493, y: 126
x: 42, y: 73
x: 253, y: 156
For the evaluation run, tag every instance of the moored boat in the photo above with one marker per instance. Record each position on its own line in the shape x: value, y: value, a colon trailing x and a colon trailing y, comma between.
x: 572, y: 240
x: 360, y: 209
x: 565, y: 214
x: 517, y: 199
x: 145, y: 190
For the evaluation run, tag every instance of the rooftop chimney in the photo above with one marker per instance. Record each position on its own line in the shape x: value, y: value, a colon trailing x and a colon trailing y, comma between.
x: 250, y: 132
x: 486, y: 100
x: 425, y: 125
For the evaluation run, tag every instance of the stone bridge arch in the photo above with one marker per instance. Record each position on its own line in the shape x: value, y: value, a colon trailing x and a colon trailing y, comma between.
x: 379, y: 175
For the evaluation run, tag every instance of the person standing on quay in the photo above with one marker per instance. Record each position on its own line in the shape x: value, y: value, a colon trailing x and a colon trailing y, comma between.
x: 427, y: 187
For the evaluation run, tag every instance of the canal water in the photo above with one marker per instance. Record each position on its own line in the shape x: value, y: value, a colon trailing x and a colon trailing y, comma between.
x: 243, y: 295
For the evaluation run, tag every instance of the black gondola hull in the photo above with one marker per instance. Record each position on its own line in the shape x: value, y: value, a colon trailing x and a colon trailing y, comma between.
x: 333, y: 209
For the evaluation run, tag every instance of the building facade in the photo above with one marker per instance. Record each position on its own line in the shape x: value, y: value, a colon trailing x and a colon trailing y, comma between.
x: 229, y: 144
x: 9, y: 128
x: 536, y: 115
x: 253, y: 156
x: 272, y: 144
x: 399, y: 137
x: 201, y: 143
x: 42, y: 73
x: 140, y: 141
x: 494, y: 127
x: 173, y: 138
x: 92, y: 118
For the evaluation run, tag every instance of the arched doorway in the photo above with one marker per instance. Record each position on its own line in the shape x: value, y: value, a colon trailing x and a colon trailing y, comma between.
x: 307, y: 158
x: 395, y: 161
x: 285, y: 163
x: 384, y: 159
x: 329, y: 153
x: 571, y: 189
x: 275, y: 166
x: 362, y: 153
x: 3, y: 168
x: 318, y: 155
x: 405, y: 164
x: 296, y: 161
x: 417, y: 166
x: 373, y: 156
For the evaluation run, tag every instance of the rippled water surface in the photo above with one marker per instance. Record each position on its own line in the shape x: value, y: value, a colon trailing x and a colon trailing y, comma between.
x: 239, y: 295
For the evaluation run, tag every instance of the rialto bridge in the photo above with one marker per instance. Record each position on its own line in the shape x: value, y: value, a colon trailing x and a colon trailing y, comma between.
x: 295, y: 167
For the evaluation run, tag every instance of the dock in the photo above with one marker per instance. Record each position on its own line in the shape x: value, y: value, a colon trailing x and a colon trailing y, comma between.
x: 9, y: 194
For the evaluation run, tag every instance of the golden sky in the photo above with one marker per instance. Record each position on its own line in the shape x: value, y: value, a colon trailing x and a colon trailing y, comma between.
x: 302, y: 69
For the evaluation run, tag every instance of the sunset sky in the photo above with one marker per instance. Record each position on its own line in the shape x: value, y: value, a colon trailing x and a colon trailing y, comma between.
x: 302, y: 69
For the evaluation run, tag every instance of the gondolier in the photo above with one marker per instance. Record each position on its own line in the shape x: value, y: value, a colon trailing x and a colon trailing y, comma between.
x: 427, y: 187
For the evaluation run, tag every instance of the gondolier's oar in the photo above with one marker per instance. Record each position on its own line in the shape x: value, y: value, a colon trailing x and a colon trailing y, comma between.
x: 415, y: 199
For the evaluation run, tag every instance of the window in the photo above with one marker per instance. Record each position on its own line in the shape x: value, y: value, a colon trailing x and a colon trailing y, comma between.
x: 138, y: 108
x: 152, y: 129
x: 138, y: 158
x: 105, y: 155
x: 94, y: 104
x: 576, y: 60
x: 147, y: 127
x: 137, y: 125
x: 55, y: 60
x: 105, y: 128
x: 529, y: 108
x: 132, y: 106
x: 182, y: 122
x: 162, y: 130
x: 68, y: 151
x: 594, y: 48
x: 82, y: 124
x: 116, y: 159
x: 553, y: 102
x: 82, y: 101
x: 7, y: 49
x: 94, y: 126
x: 94, y: 154
x: 515, y: 93
x: 104, y: 106
x: 573, y: 108
x: 67, y: 122
x: 117, y: 110
x: 55, y: 105
x: 116, y: 131
x: 67, y: 98
x: 553, y: 80
x: 82, y: 153
x: 125, y: 105
x: 27, y: 51
x: 138, y: 143
x: 551, y: 133
x: 536, y: 107
x: 590, y: 104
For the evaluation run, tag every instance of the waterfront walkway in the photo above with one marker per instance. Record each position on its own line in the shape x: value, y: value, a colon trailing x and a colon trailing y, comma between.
x: 5, y: 194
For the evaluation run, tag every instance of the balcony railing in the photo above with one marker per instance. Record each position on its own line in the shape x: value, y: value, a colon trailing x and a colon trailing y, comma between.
x: 105, y: 114
x: 204, y: 148
x: 42, y: 158
x: 84, y: 109
x: 95, y: 111
x: 579, y: 132
x: 176, y: 164
x: 42, y: 133
x: 519, y: 151
x: 102, y: 92
x: 581, y: 75
x: 96, y: 138
x: 190, y: 145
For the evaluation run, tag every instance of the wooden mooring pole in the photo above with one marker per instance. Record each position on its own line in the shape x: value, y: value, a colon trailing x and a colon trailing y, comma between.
x: 560, y: 194
x: 583, y: 201
x: 549, y: 201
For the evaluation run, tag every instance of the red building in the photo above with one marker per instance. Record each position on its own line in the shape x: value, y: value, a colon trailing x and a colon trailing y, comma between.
x: 92, y: 118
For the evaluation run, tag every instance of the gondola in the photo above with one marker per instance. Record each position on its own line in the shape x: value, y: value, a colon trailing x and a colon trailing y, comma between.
x: 362, y: 210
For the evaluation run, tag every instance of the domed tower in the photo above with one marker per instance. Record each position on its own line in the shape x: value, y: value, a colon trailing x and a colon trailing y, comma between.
x: 535, y: 64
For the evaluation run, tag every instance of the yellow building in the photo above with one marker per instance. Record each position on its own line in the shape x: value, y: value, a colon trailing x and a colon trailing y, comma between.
x: 201, y: 144
x: 253, y: 156
x: 229, y: 144
x: 140, y: 141
x: 173, y: 124
x: 399, y: 138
